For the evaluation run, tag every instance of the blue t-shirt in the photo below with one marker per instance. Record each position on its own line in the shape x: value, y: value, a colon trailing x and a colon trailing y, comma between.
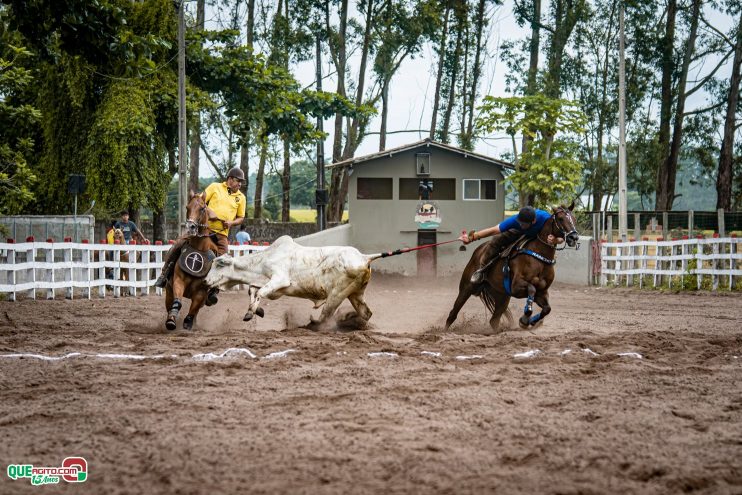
x: 242, y: 237
x: 127, y: 228
x: 512, y: 223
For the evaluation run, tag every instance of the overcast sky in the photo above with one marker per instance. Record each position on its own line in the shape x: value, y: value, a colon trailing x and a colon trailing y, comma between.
x: 412, y: 88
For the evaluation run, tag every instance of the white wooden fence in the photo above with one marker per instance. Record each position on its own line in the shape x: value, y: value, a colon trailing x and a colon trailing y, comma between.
x: 29, y: 267
x: 706, y: 263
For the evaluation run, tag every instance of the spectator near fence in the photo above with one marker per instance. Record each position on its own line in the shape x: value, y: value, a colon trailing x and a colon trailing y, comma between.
x: 129, y: 228
x: 243, y: 237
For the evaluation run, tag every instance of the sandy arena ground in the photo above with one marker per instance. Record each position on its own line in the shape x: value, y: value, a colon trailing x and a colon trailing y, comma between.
x: 330, y: 418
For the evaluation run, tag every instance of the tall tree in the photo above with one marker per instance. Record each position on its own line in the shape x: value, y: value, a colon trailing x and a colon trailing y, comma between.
x: 453, y: 66
x: 195, y: 128
x: 400, y: 32
x: 667, y: 171
x: 338, y: 38
x: 726, y: 156
x: 441, y: 49
x: 552, y: 171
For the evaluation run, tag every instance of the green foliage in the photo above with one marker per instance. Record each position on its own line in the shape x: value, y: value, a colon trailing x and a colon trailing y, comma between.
x: 549, y: 169
x: 261, y: 97
x: 123, y: 151
x: 18, y: 121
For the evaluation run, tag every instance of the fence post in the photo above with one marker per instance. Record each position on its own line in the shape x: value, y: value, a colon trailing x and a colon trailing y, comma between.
x: 732, y: 261
x: 619, y: 264
x: 102, y: 271
x: 690, y: 224
x: 665, y: 227
x: 158, y: 262
x: 631, y: 263
x: 603, y: 263
x: 31, y: 260
x: 132, y: 278
x: 715, y: 263
x: 596, y: 226
x: 637, y: 226
x: 11, y: 261
x: 657, y: 262
x: 643, y: 262
x: 609, y: 228
x: 684, y: 263
x: 116, y: 270
x: 720, y: 221
x: 68, y: 277
x: 86, y: 259
x: 146, y: 271
x: 699, y: 261
x: 49, y: 271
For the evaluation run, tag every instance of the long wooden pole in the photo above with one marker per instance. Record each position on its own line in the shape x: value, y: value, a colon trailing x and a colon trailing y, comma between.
x: 622, y: 206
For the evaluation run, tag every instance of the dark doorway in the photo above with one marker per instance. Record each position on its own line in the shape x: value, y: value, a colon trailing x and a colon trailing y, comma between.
x: 426, y: 258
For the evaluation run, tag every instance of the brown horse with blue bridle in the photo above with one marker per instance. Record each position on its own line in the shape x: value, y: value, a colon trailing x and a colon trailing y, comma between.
x: 195, y: 260
x: 525, y: 270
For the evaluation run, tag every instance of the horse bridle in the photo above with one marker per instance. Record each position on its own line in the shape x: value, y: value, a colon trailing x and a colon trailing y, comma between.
x: 562, y: 233
x: 194, y: 223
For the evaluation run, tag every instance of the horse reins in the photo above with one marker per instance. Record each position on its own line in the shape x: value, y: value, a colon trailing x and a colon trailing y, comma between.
x: 561, y: 232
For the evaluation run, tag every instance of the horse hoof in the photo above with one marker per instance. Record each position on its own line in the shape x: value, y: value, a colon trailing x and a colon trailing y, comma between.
x: 260, y: 312
x: 248, y: 316
x: 171, y: 324
x: 523, y: 322
x: 188, y: 322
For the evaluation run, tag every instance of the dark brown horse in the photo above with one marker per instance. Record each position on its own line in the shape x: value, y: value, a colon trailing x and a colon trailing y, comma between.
x: 182, y: 284
x: 531, y: 272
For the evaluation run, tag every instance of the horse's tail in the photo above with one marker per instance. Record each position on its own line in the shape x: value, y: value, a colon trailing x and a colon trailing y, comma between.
x: 489, y: 302
x: 488, y: 299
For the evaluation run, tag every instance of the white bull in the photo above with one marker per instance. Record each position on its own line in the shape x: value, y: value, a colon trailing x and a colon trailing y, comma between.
x: 326, y: 275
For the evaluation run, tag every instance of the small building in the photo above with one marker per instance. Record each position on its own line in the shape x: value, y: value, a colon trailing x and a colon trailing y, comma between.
x: 422, y: 193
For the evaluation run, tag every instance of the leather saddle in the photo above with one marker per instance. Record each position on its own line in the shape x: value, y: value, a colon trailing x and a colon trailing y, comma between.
x: 194, y: 262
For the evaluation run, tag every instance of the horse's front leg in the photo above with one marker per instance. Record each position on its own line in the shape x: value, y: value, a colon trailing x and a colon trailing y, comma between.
x: 198, y: 299
x: 524, y: 320
x: 178, y: 288
x: 542, y: 299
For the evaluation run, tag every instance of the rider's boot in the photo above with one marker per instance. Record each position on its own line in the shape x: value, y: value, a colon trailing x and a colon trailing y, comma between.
x: 161, y: 281
x: 494, y: 248
x: 477, y: 277
x: 211, y: 296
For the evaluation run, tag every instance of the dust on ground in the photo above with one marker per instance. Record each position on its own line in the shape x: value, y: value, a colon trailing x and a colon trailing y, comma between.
x: 401, y: 407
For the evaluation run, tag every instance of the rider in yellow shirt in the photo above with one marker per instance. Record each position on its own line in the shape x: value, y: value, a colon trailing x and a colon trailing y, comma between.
x: 228, y: 203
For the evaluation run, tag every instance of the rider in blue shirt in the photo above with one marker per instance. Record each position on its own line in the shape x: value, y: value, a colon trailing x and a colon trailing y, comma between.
x: 529, y: 221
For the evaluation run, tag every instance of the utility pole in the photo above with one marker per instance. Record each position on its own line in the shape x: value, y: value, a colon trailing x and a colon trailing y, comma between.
x: 182, y: 152
x: 623, y: 225
x: 321, y: 193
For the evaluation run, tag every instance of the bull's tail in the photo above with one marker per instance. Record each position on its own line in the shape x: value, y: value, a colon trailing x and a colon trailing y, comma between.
x: 372, y: 257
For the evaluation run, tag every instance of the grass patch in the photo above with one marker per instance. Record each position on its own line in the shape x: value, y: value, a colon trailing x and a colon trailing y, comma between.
x: 308, y: 215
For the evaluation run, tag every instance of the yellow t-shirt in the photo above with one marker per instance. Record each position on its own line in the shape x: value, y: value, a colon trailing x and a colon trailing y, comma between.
x: 226, y: 206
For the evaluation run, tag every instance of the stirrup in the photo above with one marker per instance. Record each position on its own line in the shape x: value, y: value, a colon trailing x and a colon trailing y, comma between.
x: 161, y: 281
x: 477, y: 277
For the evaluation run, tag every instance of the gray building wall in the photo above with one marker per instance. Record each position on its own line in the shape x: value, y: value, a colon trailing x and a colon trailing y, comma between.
x: 44, y: 227
x: 575, y: 266
x: 383, y: 225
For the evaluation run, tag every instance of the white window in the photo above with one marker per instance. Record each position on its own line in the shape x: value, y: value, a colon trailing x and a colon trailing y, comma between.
x: 480, y: 189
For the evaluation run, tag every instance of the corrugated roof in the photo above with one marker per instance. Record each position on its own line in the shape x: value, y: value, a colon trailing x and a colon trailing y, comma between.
x: 425, y: 142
